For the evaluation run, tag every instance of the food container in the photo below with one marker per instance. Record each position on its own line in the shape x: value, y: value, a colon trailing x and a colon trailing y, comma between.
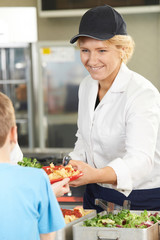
x: 66, y: 233
x: 103, y: 233
x: 69, y: 174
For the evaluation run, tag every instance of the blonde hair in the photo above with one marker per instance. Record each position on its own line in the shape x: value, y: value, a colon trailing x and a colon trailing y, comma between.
x: 124, y: 43
x: 7, y: 117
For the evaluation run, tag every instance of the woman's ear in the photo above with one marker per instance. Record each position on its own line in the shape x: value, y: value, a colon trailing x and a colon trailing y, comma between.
x: 13, y: 134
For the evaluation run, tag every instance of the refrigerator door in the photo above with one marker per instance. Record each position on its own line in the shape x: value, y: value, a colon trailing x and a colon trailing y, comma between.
x: 61, y: 72
x: 15, y: 82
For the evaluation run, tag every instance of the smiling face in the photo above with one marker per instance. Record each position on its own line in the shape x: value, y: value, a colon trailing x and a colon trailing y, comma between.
x: 102, y: 61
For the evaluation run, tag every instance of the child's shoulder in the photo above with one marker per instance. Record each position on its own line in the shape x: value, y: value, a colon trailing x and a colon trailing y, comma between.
x: 29, y: 173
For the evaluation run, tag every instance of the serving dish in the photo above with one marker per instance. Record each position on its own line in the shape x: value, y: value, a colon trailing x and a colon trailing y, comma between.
x: 101, y: 233
x: 67, y: 232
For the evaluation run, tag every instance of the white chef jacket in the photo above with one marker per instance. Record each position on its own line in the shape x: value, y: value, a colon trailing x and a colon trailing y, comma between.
x: 122, y: 132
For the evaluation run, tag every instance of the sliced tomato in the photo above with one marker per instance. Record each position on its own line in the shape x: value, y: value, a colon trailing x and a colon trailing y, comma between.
x: 77, y: 213
x: 48, y: 171
x: 67, y: 212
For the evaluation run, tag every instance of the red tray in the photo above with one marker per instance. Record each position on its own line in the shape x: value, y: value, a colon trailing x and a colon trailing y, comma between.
x: 70, y: 199
x: 72, y: 178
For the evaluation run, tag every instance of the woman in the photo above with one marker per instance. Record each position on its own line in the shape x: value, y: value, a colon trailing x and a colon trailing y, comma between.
x: 118, y: 141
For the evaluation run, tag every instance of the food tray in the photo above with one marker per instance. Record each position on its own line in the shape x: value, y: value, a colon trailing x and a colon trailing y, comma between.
x: 102, y: 233
x: 72, y: 178
x: 66, y: 233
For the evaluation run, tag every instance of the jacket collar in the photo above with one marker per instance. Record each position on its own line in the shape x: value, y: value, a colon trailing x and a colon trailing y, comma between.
x: 119, y: 85
x: 122, y: 79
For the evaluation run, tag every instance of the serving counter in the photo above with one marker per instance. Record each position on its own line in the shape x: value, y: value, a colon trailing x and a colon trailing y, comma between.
x: 75, y: 230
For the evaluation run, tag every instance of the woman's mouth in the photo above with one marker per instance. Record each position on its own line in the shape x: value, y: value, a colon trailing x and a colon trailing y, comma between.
x: 94, y: 69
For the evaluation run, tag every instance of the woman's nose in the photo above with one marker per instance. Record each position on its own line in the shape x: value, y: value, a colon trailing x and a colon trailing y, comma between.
x: 92, y: 58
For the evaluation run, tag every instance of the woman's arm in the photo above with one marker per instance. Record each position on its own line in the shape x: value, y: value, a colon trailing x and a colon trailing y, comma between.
x: 78, y: 151
x: 93, y: 175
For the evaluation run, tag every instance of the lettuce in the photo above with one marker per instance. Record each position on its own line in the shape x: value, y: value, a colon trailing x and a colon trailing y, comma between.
x: 123, y: 219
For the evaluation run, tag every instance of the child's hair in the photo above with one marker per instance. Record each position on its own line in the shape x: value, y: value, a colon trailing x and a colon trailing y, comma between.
x: 7, y: 117
x: 124, y: 43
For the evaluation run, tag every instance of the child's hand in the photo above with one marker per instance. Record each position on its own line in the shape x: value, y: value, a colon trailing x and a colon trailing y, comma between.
x: 60, y: 188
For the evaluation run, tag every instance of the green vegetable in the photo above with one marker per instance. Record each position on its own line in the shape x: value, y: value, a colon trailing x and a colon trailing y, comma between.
x: 28, y: 162
x: 123, y: 219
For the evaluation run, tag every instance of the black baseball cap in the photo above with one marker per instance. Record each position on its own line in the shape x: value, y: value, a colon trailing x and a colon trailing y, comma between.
x: 101, y: 23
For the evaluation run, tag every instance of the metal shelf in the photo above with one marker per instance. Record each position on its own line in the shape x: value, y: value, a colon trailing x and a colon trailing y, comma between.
x: 80, y: 12
x: 13, y: 81
x: 68, y: 118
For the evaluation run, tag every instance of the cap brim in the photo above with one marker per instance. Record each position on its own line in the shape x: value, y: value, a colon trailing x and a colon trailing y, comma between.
x: 75, y: 38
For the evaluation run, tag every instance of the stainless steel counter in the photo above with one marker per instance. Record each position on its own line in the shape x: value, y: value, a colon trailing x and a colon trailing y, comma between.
x: 56, y: 151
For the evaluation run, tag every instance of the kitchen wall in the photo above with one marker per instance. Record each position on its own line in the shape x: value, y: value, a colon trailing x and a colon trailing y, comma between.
x: 144, y: 28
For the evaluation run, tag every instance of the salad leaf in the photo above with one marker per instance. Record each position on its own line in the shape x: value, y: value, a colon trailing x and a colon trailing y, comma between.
x: 28, y: 162
x: 123, y: 219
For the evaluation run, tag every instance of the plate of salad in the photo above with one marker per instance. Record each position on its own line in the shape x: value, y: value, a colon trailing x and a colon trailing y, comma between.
x: 124, y: 219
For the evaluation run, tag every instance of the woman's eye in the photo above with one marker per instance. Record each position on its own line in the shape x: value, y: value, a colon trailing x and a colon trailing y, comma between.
x: 103, y: 50
x: 84, y: 50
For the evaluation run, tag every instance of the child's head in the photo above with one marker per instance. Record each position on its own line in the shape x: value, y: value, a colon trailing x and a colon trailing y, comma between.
x: 7, y: 117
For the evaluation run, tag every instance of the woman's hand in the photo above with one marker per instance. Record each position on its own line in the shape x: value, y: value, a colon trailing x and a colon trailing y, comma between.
x: 92, y: 175
x: 60, y: 188
x: 89, y: 173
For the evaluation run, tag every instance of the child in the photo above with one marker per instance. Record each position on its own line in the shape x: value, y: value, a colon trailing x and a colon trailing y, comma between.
x: 28, y: 208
